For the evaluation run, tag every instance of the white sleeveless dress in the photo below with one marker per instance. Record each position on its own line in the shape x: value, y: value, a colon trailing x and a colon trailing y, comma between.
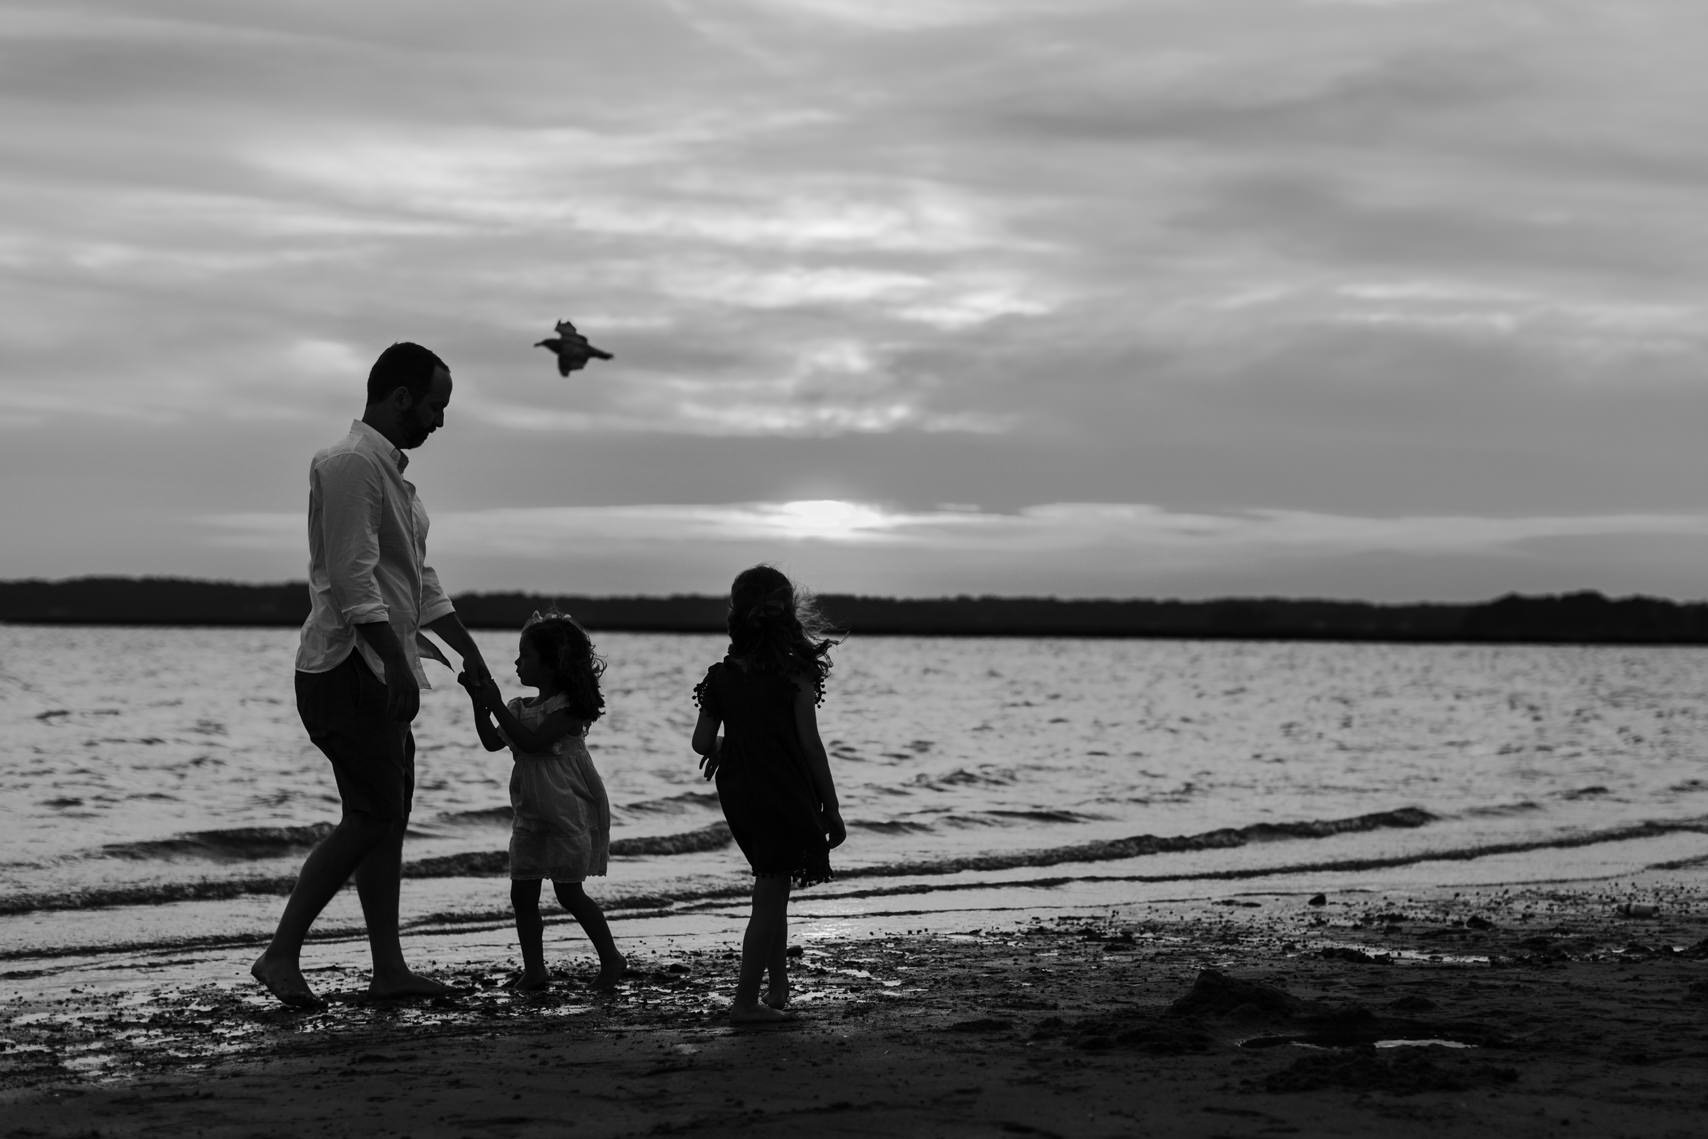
x: 562, y: 827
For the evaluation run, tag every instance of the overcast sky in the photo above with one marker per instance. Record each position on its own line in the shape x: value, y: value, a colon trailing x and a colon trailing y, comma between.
x: 1359, y: 299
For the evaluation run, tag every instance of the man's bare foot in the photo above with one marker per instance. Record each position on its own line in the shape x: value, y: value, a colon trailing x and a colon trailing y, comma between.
x: 285, y: 982
x: 407, y: 986
x: 777, y: 1000
x: 610, y: 972
x: 526, y: 982
x: 760, y: 1015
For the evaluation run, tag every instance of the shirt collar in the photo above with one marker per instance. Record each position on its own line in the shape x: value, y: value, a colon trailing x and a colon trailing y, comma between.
x: 370, y: 436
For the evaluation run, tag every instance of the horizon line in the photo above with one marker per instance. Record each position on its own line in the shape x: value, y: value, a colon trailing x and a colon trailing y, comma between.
x: 1032, y: 597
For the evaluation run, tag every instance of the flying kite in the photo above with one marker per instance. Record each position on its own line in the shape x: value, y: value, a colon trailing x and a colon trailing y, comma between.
x: 571, y: 349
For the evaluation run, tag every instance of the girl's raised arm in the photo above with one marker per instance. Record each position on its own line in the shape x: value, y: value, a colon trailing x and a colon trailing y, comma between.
x: 482, y: 691
x: 541, y: 738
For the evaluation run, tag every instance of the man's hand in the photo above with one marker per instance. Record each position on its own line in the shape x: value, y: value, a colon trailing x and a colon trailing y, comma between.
x: 482, y: 689
x: 834, y: 831
x: 402, y: 693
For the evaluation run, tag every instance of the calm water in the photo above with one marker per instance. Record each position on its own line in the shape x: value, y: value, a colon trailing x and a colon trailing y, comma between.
x: 156, y: 786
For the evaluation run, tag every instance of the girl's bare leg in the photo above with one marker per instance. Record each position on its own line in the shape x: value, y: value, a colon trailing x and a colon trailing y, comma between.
x: 777, y: 967
x: 530, y: 934
x: 612, y: 964
x: 764, y: 928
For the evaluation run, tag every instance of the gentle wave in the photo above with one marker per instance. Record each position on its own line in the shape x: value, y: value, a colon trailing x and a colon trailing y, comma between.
x: 244, y: 844
x: 232, y: 844
x: 716, y: 836
x: 961, y: 778
x: 1339, y: 865
x: 1145, y: 844
x: 484, y: 864
x: 1044, y: 816
x: 891, y: 826
x: 494, y: 864
x: 713, y: 837
x: 673, y: 804
x: 847, y: 885
x: 257, y: 843
x: 1503, y: 810
x: 484, y: 817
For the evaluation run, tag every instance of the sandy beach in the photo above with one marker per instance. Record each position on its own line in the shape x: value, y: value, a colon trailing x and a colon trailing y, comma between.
x: 1524, y: 1011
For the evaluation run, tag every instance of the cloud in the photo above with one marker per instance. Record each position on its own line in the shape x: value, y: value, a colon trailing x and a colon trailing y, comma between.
x: 898, y: 16
x: 1261, y: 265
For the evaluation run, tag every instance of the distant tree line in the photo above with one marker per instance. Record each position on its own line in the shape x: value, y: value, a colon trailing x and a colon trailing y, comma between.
x: 1575, y: 618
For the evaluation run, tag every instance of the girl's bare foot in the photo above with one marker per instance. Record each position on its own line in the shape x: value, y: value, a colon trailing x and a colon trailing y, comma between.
x: 610, y: 972
x: 407, y: 986
x: 285, y: 982
x: 526, y: 982
x: 760, y: 1015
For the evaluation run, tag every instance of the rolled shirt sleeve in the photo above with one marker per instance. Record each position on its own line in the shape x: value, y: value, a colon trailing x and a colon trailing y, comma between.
x: 434, y: 602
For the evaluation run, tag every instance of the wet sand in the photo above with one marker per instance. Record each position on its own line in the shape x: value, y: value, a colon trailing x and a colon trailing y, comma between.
x: 1525, y: 1012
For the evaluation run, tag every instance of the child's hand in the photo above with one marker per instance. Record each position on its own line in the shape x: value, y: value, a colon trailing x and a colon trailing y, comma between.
x: 482, y: 689
x: 709, y: 763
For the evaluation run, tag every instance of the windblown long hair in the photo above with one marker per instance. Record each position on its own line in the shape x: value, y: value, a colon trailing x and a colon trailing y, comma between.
x: 565, y: 648
x: 776, y: 628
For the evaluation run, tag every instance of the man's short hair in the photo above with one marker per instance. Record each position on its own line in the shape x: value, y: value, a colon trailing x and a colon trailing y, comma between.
x: 403, y: 365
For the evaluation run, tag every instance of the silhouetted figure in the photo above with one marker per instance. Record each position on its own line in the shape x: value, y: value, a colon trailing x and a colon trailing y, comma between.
x: 358, y: 666
x: 571, y: 349
x: 773, y: 775
x: 561, y: 827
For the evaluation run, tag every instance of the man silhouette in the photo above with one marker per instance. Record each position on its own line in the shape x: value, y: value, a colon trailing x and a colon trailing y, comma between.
x: 358, y: 665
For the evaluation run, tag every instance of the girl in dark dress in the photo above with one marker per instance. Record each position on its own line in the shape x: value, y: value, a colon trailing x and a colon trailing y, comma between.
x: 772, y: 773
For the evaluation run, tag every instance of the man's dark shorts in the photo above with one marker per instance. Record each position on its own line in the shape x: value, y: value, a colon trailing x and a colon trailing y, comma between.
x: 373, y: 756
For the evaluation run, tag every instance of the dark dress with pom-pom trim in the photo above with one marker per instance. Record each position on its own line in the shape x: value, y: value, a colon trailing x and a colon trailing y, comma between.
x: 764, y: 785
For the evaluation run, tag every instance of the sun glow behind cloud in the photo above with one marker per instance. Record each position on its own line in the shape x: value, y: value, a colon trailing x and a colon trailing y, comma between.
x: 1154, y: 544
x: 828, y: 519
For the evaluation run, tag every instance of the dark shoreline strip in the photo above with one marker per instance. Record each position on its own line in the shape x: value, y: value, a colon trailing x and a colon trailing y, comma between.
x: 1584, y: 617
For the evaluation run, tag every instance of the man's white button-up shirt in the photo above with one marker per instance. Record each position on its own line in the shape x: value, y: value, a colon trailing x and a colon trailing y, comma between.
x: 367, y: 554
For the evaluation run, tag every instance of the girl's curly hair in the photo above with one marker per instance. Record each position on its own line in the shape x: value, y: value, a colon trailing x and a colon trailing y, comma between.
x: 777, y: 628
x: 565, y: 648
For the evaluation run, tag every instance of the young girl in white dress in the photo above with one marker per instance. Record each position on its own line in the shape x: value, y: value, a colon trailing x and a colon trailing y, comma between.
x: 562, y: 825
